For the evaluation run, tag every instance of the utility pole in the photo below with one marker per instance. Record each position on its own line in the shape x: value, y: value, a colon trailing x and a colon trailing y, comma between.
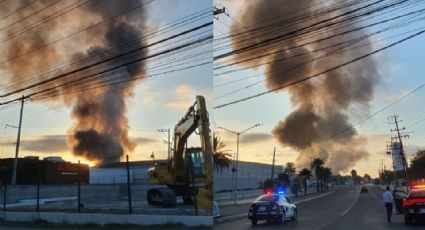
x: 274, y: 155
x: 18, y: 140
x: 398, y: 138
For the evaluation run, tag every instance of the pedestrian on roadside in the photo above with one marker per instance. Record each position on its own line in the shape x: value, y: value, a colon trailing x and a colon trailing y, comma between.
x: 388, y: 203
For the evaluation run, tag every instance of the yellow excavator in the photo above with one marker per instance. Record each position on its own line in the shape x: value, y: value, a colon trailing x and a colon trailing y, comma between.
x: 189, y: 172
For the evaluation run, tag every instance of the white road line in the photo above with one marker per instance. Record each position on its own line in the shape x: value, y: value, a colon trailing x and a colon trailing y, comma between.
x: 312, y: 198
x: 351, y: 206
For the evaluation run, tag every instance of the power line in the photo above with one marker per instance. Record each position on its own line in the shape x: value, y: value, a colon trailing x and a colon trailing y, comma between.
x: 17, y: 10
x: 75, y: 33
x: 295, y: 32
x: 107, y: 60
x: 181, y: 22
x: 375, y: 113
x: 113, y: 68
x: 323, y: 72
x: 312, y: 42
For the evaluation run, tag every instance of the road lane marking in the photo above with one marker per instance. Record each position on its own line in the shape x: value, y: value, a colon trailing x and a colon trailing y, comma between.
x: 241, y: 215
x: 312, y: 198
x: 351, y: 206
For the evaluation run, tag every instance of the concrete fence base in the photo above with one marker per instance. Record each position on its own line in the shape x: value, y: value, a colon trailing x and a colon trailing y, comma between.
x: 102, y: 219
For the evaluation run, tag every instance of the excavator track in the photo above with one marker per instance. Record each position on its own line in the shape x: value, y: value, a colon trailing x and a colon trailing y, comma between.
x: 163, y: 197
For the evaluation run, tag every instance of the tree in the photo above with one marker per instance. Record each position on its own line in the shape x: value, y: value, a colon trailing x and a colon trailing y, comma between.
x: 316, y: 165
x: 387, y: 176
x: 419, y: 160
x: 354, y: 176
x: 295, y: 185
x: 416, y: 170
x: 367, y: 178
x: 221, y: 155
x: 326, y: 175
x: 306, y: 174
x: 289, y: 169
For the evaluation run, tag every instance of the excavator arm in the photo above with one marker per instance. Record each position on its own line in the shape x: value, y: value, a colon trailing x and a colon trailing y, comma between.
x: 176, y: 175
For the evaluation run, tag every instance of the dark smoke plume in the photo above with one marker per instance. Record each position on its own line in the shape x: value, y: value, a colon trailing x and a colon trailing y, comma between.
x: 321, y: 106
x: 100, y: 130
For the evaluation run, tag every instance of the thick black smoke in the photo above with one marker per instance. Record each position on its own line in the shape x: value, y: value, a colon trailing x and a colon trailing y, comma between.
x: 321, y: 106
x: 100, y: 129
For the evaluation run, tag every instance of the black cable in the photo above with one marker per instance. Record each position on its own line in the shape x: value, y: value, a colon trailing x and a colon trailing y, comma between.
x: 323, y: 72
x: 106, y: 60
x: 111, y: 69
x: 17, y: 10
x: 74, y: 33
x: 294, y: 32
x: 85, y: 60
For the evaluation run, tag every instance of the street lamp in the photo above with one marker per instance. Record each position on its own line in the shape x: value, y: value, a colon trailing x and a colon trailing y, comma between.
x: 235, y: 168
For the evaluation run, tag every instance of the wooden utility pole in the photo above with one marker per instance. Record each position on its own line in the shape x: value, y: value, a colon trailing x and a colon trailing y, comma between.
x: 398, y: 138
x: 274, y: 156
x: 18, y: 140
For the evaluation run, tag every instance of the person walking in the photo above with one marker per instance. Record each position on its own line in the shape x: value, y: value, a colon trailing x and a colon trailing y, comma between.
x: 388, y: 203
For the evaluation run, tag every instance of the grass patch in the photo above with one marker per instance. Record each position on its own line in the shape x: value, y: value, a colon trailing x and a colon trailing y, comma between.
x: 45, y: 224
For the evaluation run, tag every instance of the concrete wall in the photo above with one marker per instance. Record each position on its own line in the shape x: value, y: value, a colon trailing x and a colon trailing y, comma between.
x: 111, y: 192
x: 96, y: 218
x: 118, y: 175
x: 249, y: 174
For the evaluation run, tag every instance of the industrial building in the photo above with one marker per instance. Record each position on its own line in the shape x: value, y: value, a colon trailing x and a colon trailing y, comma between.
x: 51, y: 170
x: 116, y: 173
x: 250, y: 174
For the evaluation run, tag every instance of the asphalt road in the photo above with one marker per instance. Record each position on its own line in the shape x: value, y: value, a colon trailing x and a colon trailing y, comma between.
x: 344, y: 209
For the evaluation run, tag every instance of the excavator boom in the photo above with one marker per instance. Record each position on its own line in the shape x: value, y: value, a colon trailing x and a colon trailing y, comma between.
x: 188, y: 166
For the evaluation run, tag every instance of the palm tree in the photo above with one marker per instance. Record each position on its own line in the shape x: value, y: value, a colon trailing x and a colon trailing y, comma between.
x: 326, y: 175
x: 354, y: 176
x: 289, y: 169
x: 317, y: 165
x: 221, y: 155
x: 306, y: 174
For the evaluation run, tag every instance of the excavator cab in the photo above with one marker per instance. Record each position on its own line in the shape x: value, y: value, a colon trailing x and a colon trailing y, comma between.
x: 197, y: 161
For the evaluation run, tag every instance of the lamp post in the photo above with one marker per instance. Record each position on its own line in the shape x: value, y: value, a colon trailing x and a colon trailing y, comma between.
x: 235, y: 167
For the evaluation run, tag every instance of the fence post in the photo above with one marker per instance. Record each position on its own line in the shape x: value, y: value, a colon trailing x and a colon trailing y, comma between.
x: 79, y: 187
x: 38, y: 186
x: 130, y: 208
x: 195, y: 202
x: 4, y: 197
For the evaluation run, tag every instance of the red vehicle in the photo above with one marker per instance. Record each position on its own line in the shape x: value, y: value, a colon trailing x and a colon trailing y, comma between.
x: 414, y: 204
